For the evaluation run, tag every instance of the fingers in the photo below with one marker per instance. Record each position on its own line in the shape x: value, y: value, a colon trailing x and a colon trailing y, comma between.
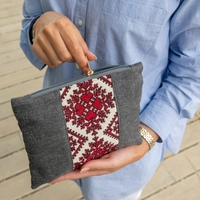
x: 103, y: 164
x: 57, y: 40
x: 49, y: 53
x: 90, y: 56
x: 115, y: 160
x: 76, y: 174
x: 77, y: 48
x: 107, y: 164
x: 95, y: 168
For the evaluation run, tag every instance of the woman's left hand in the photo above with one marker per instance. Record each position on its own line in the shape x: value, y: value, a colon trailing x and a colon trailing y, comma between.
x: 108, y: 163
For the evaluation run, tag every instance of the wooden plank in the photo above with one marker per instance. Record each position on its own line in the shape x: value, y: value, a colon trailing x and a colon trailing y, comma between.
x: 14, y: 66
x: 191, y: 136
x: 11, y: 19
x: 11, y: 56
x: 19, y: 186
x: 10, y: 46
x: 5, y: 110
x: 8, y: 37
x: 196, y: 117
x: 10, y: 4
x: 192, y: 156
x: 18, y: 77
x: 16, y: 9
x: 178, y: 173
x: 16, y: 187
x: 183, y: 190
x: 67, y: 190
x: 8, y: 126
x: 198, y: 112
x: 7, y: 28
x: 20, y: 90
x: 10, y: 144
x: 13, y: 164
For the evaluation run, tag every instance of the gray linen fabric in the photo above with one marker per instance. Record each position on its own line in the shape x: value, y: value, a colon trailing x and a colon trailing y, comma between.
x: 127, y: 87
x: 45, y: 136
x: 41, y: 120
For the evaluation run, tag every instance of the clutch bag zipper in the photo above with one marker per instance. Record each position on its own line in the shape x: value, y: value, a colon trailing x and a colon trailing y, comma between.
x: 97, y: 73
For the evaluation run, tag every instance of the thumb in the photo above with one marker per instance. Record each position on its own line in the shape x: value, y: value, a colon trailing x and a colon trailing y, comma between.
x: 105, y: 163
x: 90, y: 56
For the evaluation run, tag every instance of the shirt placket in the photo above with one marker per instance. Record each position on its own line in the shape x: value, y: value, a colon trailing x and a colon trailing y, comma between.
x: 80, y: 16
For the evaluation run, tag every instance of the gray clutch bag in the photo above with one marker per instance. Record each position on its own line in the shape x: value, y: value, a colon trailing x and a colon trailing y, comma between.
x: 67, y: 125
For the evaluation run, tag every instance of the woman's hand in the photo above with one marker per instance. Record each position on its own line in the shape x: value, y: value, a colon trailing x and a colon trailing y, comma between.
x: 108, y: 163
x: 111, y: 162
x: 57, y: 40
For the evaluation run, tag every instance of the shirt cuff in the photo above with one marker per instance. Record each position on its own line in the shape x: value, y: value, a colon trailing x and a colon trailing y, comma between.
x: 31, y: 28
x: 160, y: 117
x: 26, y: 46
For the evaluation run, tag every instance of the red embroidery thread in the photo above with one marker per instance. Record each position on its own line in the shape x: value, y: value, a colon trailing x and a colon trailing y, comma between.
x: 91, y: 117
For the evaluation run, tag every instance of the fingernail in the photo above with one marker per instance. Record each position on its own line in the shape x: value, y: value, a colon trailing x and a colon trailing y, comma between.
x: 94, y: 56
x: 85, y: 70
x: 84, y: 170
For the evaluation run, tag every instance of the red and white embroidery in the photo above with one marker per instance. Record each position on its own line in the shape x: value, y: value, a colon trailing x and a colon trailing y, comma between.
x: 91, y: 118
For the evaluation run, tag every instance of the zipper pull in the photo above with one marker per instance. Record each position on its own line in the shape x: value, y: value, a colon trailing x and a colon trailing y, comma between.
x: 90, y: 72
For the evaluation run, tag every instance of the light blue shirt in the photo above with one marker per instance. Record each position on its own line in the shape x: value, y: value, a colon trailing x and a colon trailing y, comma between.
x: 165, y: 37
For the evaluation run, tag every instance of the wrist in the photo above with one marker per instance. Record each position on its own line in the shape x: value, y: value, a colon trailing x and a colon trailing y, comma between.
x: 149, y: 136
x: 152, y: 132
x: 31, y: 30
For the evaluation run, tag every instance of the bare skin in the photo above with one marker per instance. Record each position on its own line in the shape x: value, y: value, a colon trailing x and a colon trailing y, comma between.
x: 110, y: 162
x: 57, y: 40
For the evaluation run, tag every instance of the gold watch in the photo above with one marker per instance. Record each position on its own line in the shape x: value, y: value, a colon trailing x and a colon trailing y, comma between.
x: 148, y: 137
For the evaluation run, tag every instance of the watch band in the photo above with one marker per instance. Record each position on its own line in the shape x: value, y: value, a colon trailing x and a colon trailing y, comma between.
x: 147, y: 136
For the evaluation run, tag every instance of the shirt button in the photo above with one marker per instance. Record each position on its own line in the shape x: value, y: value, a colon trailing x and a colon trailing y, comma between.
x: 80, y: 22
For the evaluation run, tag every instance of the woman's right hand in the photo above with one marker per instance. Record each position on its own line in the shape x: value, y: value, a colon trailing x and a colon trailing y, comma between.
x: 57, y: 40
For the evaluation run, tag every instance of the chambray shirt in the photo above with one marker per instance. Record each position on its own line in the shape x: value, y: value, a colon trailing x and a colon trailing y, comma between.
x: 165, y: 37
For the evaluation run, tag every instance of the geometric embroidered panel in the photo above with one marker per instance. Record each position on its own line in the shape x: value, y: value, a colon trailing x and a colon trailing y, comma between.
x: 91, y: 119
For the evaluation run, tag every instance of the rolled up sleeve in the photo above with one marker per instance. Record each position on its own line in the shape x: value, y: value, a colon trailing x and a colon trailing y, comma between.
x: 179, y: 95
x: 31, y: 11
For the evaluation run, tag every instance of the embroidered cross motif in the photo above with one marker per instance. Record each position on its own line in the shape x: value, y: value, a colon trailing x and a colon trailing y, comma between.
x: 91, y: 118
